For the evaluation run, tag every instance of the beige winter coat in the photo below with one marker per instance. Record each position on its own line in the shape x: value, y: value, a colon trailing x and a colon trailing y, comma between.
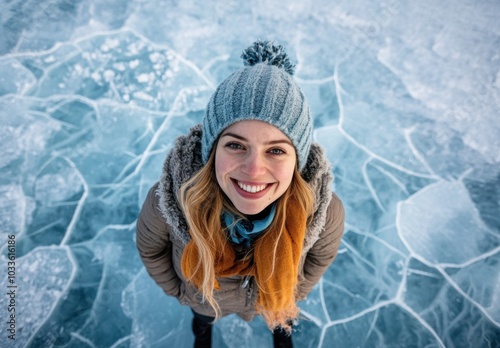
x: 162, y: 233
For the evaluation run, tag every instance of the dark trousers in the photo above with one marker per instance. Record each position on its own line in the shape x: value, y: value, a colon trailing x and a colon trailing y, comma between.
x: 202, y: 330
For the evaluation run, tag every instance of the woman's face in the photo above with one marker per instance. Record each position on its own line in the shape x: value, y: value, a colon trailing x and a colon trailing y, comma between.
x: 254, y: 164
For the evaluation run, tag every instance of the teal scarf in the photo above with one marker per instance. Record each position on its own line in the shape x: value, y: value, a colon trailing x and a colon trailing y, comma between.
x: 245, y: 231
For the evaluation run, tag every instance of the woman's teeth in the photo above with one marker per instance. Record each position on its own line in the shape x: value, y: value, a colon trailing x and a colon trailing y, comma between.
x: 250, y: 188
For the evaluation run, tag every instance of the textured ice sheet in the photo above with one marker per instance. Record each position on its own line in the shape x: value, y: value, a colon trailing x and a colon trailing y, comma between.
x: 157, y: 320
x: 405, y: 98
x: 43, y: 279
x: 452, y: 233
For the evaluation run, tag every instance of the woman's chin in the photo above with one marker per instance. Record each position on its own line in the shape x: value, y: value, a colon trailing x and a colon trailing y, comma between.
x: 251, y: 209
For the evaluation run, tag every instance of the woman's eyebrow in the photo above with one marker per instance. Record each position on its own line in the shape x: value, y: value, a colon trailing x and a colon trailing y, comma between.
x: 272, y: 142
x: 228, y: 134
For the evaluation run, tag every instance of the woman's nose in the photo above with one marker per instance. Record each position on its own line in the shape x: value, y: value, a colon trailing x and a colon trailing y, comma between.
x: 254, y: 165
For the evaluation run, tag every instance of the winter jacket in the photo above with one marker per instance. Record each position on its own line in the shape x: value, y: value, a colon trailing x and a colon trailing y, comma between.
x: 162, y: 232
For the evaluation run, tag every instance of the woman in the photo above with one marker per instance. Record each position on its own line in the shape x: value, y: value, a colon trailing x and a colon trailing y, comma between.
x: 243, y: 219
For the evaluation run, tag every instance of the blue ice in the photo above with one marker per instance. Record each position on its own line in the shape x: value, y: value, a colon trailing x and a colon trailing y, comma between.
x: 406, y: 100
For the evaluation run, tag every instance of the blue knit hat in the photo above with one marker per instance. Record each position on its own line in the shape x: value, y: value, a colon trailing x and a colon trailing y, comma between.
x: 263, y: 90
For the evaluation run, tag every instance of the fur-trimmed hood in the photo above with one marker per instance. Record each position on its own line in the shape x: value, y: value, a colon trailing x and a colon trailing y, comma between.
x: 184, y: 160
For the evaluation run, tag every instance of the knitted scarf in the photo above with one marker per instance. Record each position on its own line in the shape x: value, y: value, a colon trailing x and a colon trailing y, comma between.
x: 244, y: 231
x: 276, y: 280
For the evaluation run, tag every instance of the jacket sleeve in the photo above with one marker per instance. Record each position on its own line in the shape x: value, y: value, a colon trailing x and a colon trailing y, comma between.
x: 324, y: 251
x: 155, y: 247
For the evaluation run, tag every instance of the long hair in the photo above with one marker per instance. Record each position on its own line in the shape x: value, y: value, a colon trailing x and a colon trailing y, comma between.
x: 203, y: 201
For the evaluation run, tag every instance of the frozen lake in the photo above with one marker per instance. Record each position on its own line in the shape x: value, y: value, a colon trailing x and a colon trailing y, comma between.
x: 406, y: 102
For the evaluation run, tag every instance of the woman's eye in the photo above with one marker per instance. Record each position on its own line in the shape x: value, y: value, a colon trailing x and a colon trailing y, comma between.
x: 276, y: 152
x: 234, y: 146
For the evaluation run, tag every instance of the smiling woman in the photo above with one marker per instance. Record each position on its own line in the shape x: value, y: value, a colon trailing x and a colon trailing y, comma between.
x: 243, y: 219
x: 254, y: 165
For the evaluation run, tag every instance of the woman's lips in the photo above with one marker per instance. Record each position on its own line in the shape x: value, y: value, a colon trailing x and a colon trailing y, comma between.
x: 251, y: 187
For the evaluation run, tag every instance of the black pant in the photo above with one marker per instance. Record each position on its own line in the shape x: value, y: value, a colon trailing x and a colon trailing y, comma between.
x: 202, y: 329
x: 281, y: 339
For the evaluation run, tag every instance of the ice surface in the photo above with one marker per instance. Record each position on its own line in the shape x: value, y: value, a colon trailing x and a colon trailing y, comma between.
x: 405, y: 98
x: 388, y: 326
x: 480, y: 281
x: 157, y: 320
x: 452, y: 232
x: 457, y: 320
x: 460, y: 93
x: 15, y: 207
x: 14, y: 77
x: 43, y: 278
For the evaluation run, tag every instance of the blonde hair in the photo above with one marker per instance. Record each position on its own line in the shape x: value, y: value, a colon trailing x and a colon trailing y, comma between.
x: 202, y: 201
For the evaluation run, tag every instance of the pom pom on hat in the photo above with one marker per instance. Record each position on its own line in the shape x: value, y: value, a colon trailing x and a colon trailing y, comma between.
x: 267, y: 52
x: 263, y: 90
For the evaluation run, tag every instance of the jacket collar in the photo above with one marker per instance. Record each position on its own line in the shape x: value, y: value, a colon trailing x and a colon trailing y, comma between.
x: 184, y: 160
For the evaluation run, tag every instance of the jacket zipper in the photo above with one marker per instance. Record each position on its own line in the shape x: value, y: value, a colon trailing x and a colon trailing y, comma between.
x: 249, y: 293
x: 247, y: 282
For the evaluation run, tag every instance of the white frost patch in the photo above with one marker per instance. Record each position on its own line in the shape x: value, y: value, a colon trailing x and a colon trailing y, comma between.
x: 154, y: 57
x: 96, y: 76
x: 143, y: 78
x: 134, y: 63
x: 143, y: 96
x: 110, y: 44
x: 120, y: 66
x: 109, y: 75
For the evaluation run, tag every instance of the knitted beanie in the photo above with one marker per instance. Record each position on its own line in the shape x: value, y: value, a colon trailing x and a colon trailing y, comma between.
x: 263, y: 90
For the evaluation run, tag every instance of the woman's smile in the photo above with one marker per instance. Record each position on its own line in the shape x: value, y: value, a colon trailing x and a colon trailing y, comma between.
x: 251, y: 188
x: 251, y: 191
